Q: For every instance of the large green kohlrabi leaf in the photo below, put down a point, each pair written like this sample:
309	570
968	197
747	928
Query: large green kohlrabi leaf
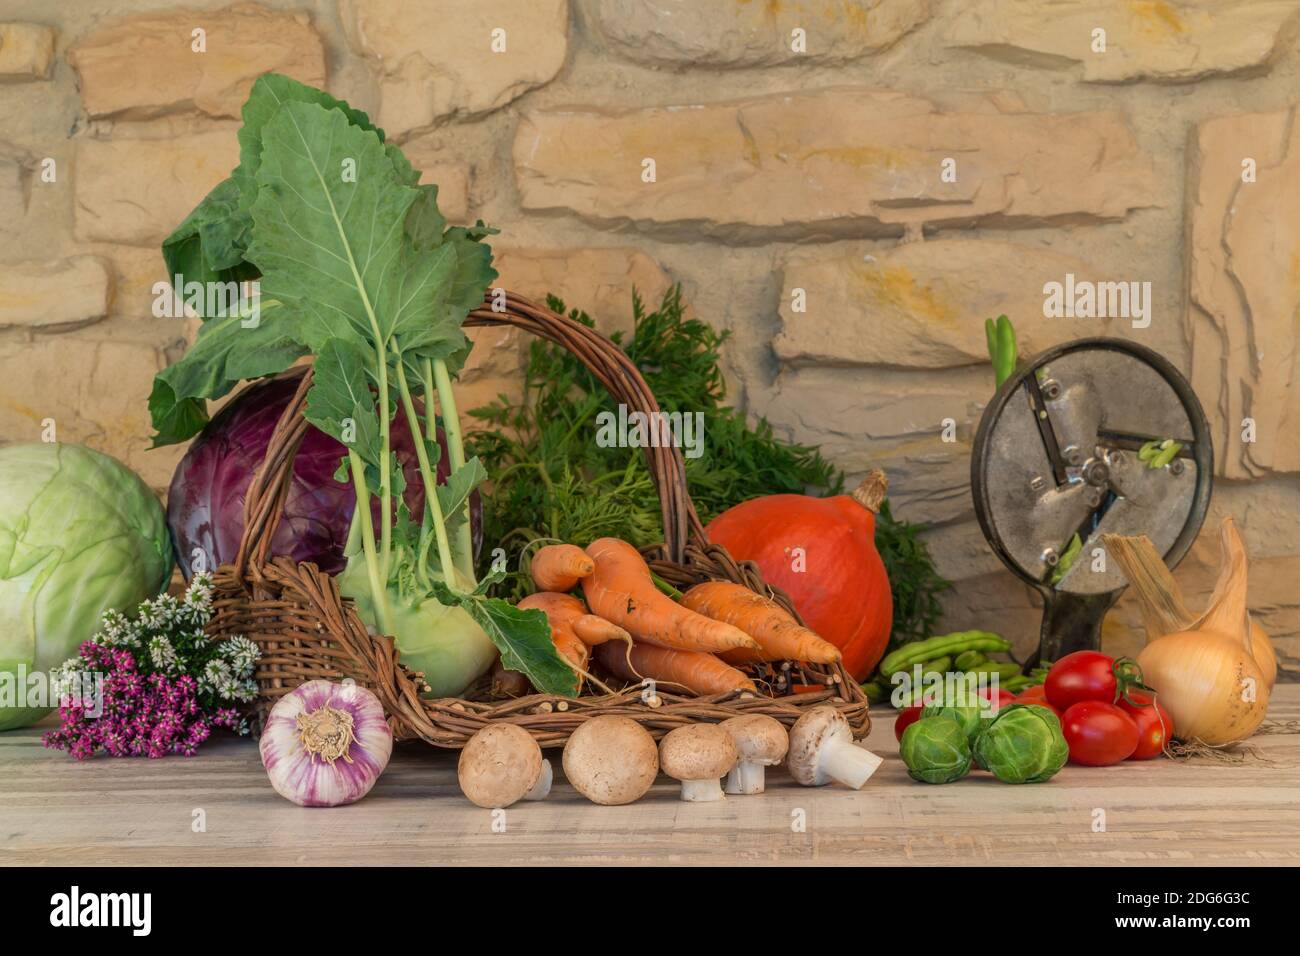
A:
208	245
226	352
211	244
269	93
328	233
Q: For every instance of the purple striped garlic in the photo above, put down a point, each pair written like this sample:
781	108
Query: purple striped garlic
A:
325	744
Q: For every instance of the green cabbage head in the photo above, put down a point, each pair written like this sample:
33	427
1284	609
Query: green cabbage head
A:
79	534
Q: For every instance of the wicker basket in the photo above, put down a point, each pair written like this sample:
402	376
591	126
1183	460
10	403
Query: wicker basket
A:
306	630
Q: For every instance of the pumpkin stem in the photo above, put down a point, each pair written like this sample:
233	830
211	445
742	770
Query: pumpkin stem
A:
871	491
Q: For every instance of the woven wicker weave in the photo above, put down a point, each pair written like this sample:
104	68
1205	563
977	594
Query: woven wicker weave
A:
306	630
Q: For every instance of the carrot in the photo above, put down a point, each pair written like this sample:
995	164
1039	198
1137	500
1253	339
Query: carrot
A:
559	610
558	567
699	673
593	630
780	637
621	590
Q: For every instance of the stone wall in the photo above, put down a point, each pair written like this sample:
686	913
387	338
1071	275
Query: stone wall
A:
797	145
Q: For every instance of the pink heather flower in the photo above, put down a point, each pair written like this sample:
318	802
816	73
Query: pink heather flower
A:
143	716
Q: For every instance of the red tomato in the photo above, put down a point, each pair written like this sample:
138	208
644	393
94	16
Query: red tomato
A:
906	718
1083	675
1155	726
1037	692
1099	734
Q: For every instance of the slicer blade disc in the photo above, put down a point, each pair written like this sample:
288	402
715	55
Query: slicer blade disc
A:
1056	456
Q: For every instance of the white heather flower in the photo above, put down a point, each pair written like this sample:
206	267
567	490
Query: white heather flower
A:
216	675
161	653
241	653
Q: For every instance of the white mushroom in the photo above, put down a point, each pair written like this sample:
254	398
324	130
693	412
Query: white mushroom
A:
502	764
611	760
822	750
698	755
760	742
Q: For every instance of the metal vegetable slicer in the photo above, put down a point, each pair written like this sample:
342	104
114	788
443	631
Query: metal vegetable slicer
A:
1056	464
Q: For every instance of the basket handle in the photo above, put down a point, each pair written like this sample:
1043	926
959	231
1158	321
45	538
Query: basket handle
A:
269	489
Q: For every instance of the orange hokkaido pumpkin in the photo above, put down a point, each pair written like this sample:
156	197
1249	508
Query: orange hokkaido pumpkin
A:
822	552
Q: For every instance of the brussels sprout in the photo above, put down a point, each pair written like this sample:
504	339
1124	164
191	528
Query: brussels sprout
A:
1023	744
967	717
79	534
935	750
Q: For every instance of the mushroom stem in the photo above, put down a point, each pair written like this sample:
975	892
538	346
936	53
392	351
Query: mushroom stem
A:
746	777
701	791
848	763
543	785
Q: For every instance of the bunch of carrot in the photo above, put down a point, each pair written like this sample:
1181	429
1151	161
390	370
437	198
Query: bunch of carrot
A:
636	631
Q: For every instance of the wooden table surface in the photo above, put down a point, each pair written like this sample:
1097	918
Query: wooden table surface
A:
54	810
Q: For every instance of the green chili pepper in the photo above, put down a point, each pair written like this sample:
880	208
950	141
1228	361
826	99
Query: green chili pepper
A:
942	645
1169	451
968	659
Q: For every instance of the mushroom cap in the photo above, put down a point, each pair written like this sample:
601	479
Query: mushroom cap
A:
499	764
697	752
758	738
807	737
611	760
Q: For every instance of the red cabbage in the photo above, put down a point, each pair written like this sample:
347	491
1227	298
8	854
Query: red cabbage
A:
205	504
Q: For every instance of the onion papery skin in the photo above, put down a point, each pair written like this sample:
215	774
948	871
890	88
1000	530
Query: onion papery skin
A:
309	780
1198	677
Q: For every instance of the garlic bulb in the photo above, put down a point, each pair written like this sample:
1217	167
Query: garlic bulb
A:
1206	675
326	744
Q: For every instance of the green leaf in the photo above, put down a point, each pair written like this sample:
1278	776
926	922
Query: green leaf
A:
522	637
212	243
425	224
454	494
328	233
208	245
174	419
459	485
225	353
269	93
340	394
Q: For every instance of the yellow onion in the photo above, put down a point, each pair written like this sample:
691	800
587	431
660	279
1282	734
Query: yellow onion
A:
1161	599
1206	675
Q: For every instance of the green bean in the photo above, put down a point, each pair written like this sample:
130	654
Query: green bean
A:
941	645
940	665
874	692
1149	450
1016	684
968	659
